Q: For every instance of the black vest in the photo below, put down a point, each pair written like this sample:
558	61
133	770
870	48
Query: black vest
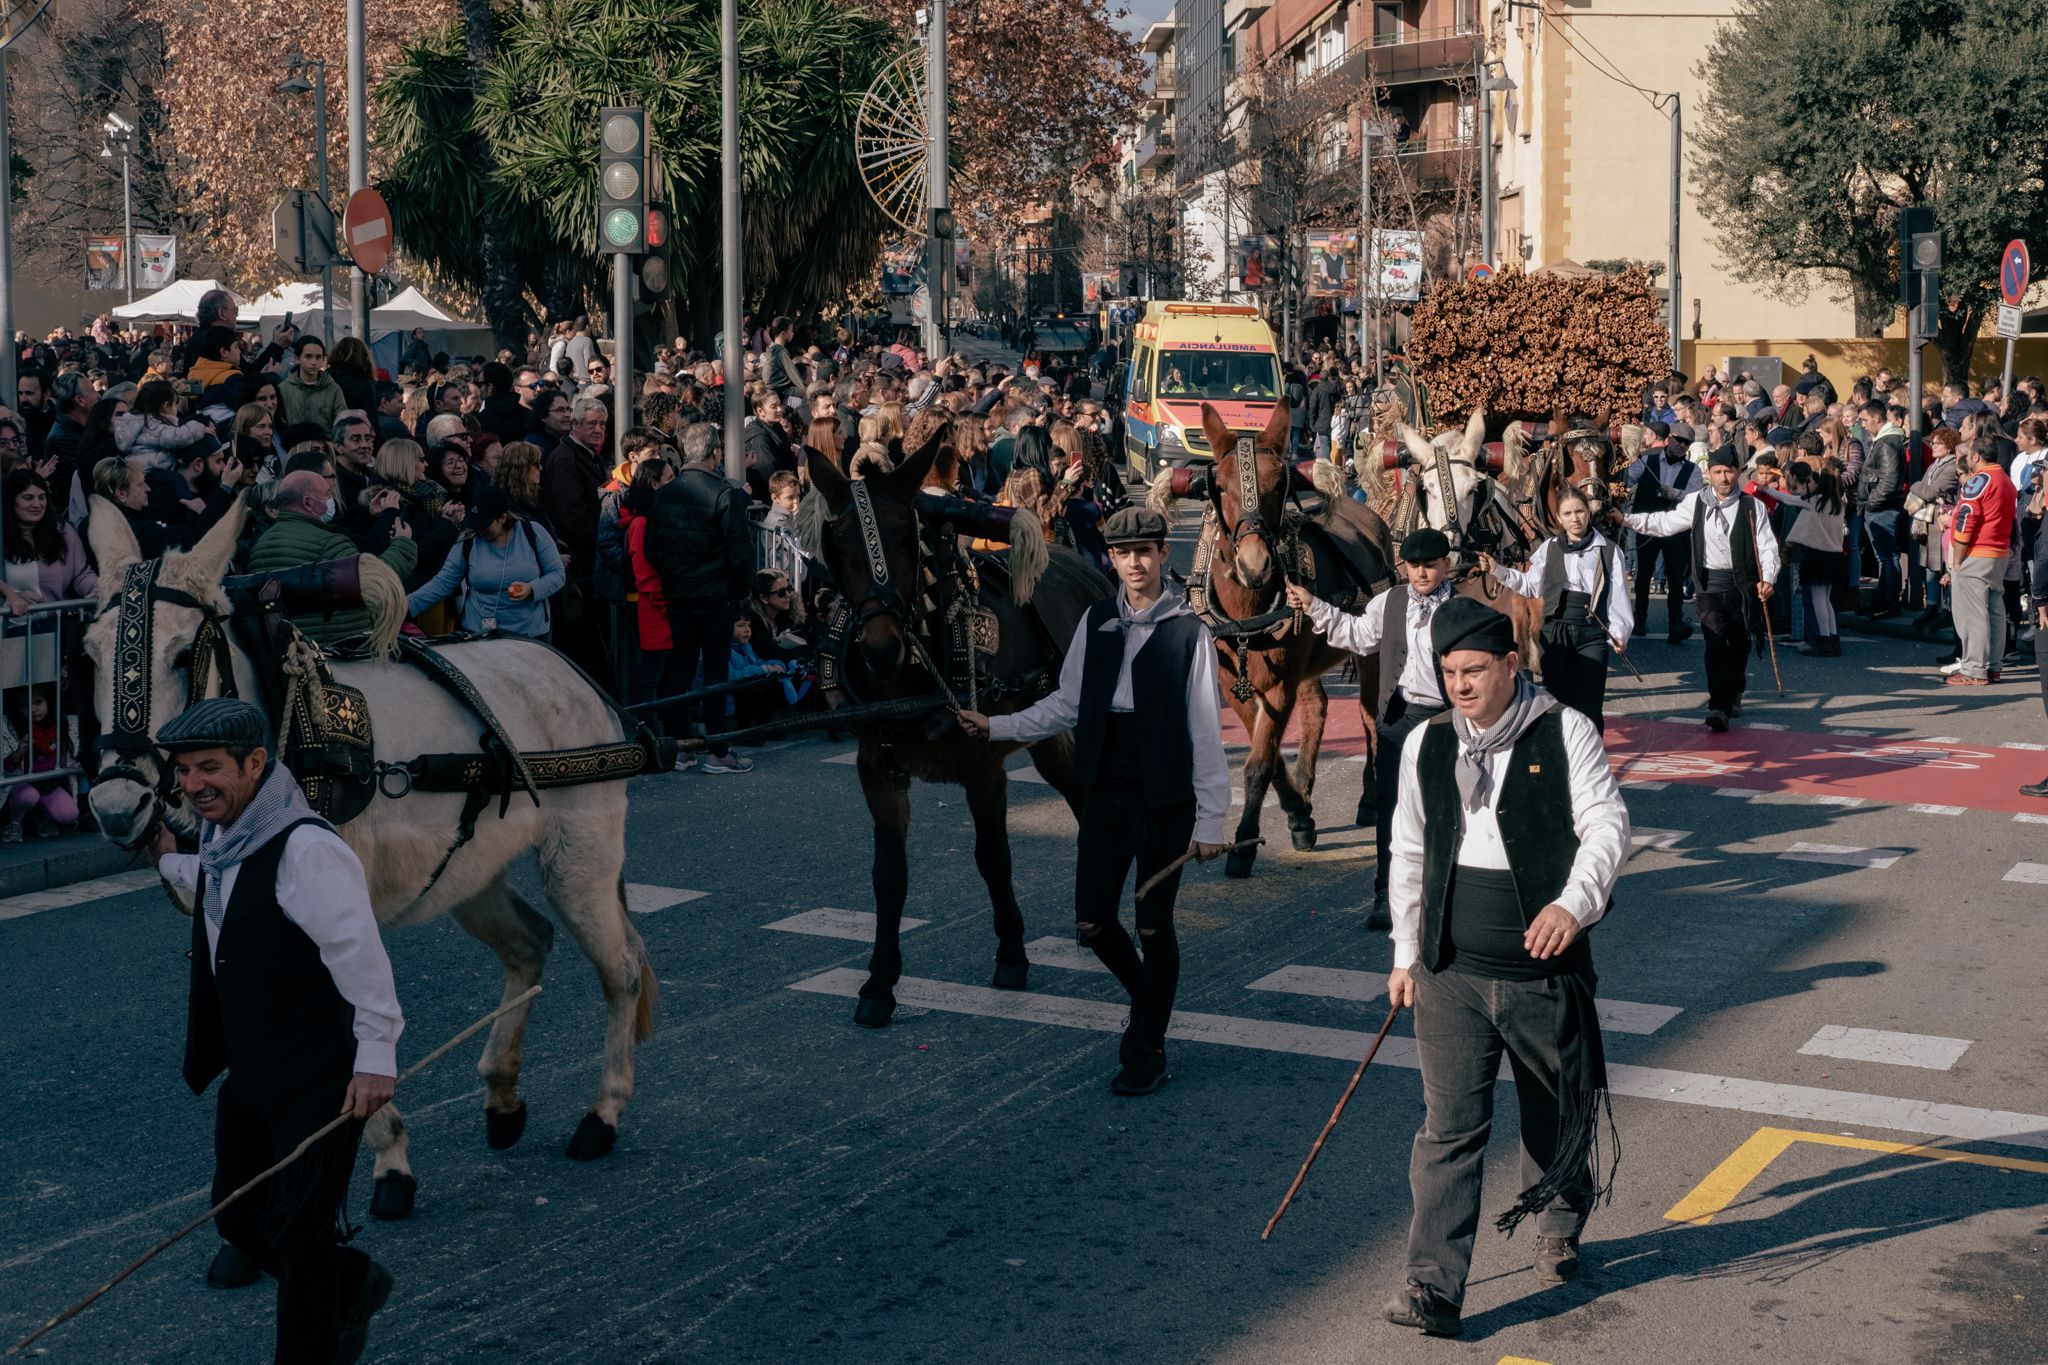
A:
1159	705
1555	584
1533	808
1741	543
1394	644
266	1010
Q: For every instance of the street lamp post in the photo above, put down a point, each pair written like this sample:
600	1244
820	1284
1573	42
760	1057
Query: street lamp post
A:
1368	274
295	83
120	142
1489	191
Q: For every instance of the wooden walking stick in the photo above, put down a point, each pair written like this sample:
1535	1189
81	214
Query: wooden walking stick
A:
337	1121
1770	639
1335	1114
1145	887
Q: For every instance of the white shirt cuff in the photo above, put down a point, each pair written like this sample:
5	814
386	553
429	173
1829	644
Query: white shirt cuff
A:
375	1058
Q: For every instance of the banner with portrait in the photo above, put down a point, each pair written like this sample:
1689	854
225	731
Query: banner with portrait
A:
156	261
1332	263
103	262
1257	261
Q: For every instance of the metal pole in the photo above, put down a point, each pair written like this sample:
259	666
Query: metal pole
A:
940	257
1914	342
1365	261
358	161
320	141
622	347
1671	278
127	228
7	352
729	244
1486	208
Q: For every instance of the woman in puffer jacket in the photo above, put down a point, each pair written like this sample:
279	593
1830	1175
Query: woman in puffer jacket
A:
152	430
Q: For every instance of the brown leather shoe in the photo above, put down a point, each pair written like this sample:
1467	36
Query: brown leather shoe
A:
1425	1310
1557	1259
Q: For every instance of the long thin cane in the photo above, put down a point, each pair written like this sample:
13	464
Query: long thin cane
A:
1145	887
336	1122
1335	1114
1770	639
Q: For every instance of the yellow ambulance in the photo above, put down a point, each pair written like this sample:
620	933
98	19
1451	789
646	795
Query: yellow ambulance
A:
1184	355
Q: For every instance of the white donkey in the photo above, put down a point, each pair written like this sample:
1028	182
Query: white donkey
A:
543	703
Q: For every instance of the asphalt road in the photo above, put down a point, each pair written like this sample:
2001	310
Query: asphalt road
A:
962	1186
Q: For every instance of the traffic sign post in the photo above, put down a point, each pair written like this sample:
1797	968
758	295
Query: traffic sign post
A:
2015	271
366	226
302	231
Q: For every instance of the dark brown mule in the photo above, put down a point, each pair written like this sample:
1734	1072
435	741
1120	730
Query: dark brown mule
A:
891	571
1270	660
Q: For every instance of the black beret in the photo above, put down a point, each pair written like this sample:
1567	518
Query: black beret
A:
1134	525
1724	454
217	723
1419	547
1462	623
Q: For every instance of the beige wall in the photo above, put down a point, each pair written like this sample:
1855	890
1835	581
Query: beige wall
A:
1586	160
1844	360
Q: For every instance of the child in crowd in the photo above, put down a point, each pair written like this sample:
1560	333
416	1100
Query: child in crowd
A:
38	749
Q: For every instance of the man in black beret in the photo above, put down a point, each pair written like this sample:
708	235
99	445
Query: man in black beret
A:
291	996
1138	689
1508	837
1396	624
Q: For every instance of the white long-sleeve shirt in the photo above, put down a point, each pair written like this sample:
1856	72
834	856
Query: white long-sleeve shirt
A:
1599	818
1678	521
321	888
1582	571
1062	709
1361	634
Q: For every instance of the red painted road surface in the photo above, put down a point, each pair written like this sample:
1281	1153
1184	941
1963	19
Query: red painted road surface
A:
1892	771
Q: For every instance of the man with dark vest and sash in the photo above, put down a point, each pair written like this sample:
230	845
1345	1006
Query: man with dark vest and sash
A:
1735	560
1410	693
291	996
1508	837
1138	689
1583	581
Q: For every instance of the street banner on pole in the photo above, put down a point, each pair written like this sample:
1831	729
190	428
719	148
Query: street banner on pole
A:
1331	258
1397	264
902	266
156	260
1253	257
103	264
962	259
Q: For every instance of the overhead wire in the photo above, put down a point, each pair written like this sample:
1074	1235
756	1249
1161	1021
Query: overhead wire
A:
1604	65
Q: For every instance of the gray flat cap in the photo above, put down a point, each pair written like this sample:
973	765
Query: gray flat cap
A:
217	723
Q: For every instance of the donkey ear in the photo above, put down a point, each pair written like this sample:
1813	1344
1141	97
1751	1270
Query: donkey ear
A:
909	476
1277	426
1217	430
112	540
1475	436
829	480
1418	444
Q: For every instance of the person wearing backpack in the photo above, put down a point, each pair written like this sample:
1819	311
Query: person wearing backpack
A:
505	569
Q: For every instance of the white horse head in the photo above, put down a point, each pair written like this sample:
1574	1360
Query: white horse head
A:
1450	477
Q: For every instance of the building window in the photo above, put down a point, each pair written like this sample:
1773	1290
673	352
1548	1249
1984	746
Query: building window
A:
1386	22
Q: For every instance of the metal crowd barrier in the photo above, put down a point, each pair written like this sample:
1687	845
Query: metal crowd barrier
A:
777	549
34	649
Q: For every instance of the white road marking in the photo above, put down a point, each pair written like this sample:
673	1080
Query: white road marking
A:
2032	874
849	758
1810	1103
2028	818
1027	773
1860	734
1645	837
1938	739
1882	1045
1763	725
1738	793
1925	809
642	899
78	893
1053	951
1812	800
1339	983
2030	748
1842	855
856	925
1644	784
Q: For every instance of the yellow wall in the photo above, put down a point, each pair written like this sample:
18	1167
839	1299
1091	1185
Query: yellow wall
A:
1845	360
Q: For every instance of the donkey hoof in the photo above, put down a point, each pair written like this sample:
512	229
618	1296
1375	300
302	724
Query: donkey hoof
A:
392	1199
1303	838
874	1011
503	1131
594	1138
233	1268
1012	976
1238	864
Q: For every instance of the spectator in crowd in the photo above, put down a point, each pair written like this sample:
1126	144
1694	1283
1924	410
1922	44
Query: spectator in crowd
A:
123	485
422	505
46	560
390	404
503	569
416	357
309	394
1981	537
550	410
302	532
653	677
770	447
37	412
1815	542
152	432
355	457
613	573
1928	502
502	411
572	476
99	442
519	475
700	545
751	707
356	373
40	747
1881	488
74	397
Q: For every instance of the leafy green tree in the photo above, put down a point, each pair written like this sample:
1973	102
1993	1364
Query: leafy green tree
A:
1824	118
490	127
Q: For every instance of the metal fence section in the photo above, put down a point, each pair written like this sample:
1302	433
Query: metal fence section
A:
776	548
35	650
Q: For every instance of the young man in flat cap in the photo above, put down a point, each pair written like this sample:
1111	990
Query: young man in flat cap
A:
291	996
1396	623
1138	689
1735	556
1508	837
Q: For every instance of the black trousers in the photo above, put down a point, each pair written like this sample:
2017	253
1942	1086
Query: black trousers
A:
1676	552
1726	627
291	1224
1119	830
703	638
1575	653
1401	718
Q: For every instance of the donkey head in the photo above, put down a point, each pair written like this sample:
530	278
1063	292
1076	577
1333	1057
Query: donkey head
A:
1451	490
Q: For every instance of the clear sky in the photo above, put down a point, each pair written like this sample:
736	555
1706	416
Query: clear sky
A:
1145	13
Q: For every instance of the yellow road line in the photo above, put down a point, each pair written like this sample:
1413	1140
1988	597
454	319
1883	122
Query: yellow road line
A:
1728	1180
1519	1360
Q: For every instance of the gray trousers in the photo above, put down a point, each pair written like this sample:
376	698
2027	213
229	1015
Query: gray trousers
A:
1462	1026
1977	588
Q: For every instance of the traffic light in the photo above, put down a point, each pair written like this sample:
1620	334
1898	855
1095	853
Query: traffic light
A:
1927	266
622	181
654	272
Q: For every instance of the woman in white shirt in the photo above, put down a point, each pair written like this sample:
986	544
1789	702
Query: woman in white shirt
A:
1583	581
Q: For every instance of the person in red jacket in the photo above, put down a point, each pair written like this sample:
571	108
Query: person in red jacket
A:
652	676
1981	535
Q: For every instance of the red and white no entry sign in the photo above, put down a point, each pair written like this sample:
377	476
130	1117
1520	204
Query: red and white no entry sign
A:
366	224
2014	270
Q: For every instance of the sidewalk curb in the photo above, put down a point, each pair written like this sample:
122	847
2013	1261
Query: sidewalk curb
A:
68	861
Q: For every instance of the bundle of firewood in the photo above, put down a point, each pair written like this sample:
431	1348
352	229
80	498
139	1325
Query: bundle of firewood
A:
1529	346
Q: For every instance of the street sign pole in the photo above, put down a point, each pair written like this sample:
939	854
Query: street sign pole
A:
1914	341
2015	270
358	163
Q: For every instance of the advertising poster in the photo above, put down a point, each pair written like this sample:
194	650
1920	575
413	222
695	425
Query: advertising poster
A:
156	261
103	262
902	267
1255	261
1397	260
1332	257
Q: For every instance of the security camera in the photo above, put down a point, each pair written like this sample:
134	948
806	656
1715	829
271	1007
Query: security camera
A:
116	126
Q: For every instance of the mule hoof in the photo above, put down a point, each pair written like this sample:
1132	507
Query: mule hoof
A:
1303	839
594	1138
233	1268
872	1011
392	1199
503	1131
1012	976
1238	864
